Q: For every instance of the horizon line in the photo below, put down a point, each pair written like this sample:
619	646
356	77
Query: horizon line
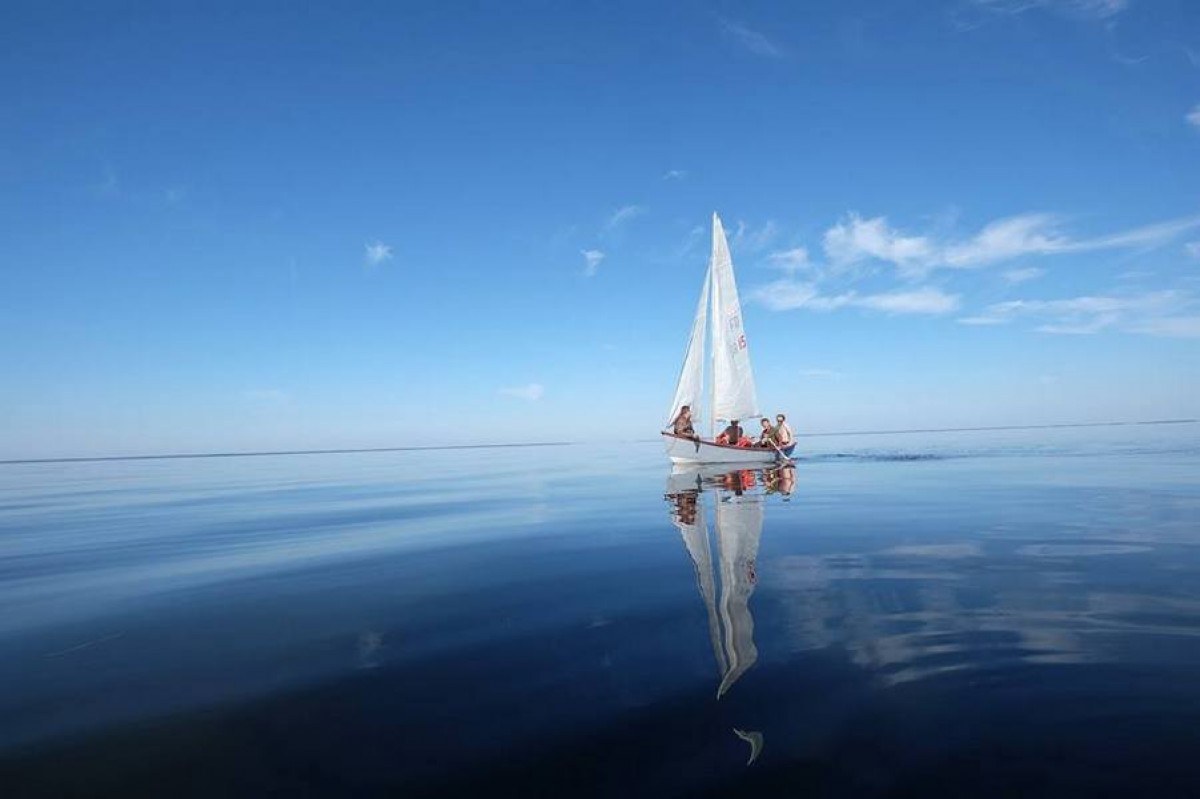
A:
262	453
351	450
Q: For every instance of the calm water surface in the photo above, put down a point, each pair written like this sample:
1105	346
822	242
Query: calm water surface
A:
1004	613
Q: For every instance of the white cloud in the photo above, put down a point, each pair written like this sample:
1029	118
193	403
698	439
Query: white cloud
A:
855	240
1081	9
748	239
1015	276
751	40
792	260
108	186
1193	117
1160	313
688	246
1172	326
531	392
1192	248
787	294
622	215
1145	236
377	253
920	301
823	373
591	261
981	320
675	174
1004	239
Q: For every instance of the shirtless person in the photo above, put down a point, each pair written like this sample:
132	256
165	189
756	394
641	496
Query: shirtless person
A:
732	434
785	439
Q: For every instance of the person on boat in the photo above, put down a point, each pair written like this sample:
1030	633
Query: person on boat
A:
682	426
732	434
766	439
785	439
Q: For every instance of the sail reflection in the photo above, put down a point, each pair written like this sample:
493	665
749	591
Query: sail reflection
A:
729	555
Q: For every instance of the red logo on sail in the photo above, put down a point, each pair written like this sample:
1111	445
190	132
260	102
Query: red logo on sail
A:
736	336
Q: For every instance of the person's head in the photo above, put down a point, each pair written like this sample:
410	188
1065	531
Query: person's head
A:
779	417
686	409
766	423
734	422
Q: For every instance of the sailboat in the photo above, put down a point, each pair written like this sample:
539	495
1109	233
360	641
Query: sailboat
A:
731	380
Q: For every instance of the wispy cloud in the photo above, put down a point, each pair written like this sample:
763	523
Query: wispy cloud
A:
855	240
675	174
1170	326
1193	117
751	40
532	392
1192	248
108	186
591	261
1015	276
974	13
787	294
622	215
751	239
1159	313
689	245
820	373
918	301
793	260
377	253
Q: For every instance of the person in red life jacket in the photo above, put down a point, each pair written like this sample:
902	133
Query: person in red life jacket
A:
732	434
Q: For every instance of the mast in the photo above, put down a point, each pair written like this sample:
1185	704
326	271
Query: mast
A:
712	350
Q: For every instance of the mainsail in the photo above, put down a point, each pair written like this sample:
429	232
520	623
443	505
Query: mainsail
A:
733	391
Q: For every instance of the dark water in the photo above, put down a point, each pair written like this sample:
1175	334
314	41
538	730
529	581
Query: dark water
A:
999	614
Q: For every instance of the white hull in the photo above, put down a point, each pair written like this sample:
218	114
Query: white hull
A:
686	450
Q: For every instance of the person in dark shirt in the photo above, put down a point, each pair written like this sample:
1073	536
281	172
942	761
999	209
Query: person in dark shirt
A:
766	438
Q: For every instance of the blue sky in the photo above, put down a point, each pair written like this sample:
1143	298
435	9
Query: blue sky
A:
248	226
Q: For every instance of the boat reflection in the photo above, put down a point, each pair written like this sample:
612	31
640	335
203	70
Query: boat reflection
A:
737	523
730	555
